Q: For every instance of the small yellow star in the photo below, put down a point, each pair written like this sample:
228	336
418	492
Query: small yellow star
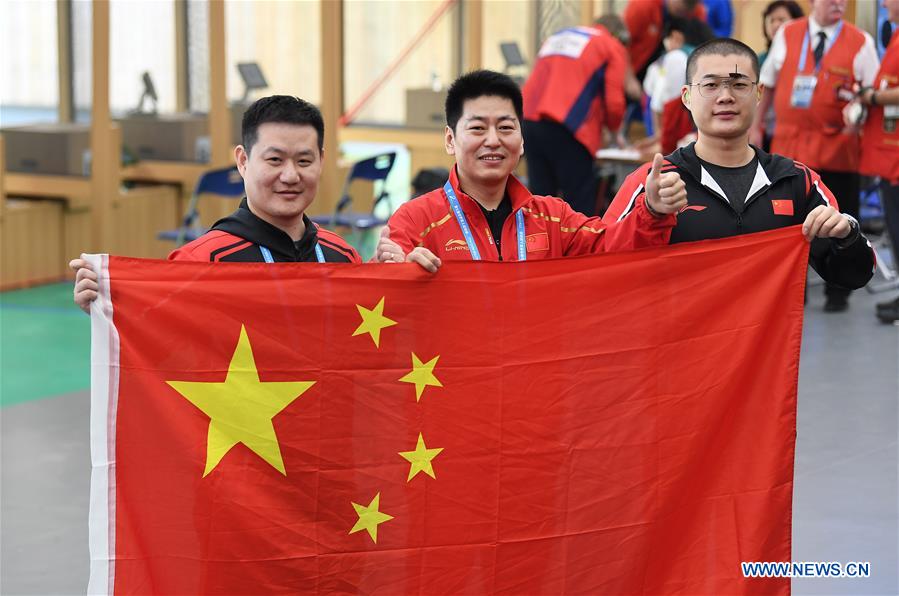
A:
420	459
370	518
241	408
373	320
422	375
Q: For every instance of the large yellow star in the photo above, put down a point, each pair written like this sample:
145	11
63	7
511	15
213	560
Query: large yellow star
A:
370	518
241	408
373	320
421	459
422	375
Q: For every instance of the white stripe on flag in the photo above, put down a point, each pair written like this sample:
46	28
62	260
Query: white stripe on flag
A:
104	402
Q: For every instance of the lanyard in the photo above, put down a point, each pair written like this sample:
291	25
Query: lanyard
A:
805	44
466	229
267	254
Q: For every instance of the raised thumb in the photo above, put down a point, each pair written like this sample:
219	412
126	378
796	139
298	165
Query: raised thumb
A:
656	165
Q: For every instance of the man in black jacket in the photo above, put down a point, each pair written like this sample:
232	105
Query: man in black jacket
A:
280	161
735	188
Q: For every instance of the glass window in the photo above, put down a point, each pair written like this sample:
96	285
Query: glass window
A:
82	67
509	21
142	39
283	38
28	62
375	35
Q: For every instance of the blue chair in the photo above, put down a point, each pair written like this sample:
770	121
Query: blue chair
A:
376	169
226	183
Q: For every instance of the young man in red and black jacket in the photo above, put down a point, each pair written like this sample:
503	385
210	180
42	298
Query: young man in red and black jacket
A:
484	213
280	161
735	188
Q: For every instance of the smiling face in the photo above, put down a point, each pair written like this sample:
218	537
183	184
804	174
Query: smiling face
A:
774	20
487	142
281	172
727	115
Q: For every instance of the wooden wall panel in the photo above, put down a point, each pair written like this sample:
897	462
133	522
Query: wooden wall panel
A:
76	234
31	243
138	216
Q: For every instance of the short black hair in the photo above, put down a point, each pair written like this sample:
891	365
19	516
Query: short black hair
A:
282	109
480	83
721	46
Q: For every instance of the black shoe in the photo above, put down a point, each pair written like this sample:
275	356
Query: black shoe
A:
890	314
888	306
836	303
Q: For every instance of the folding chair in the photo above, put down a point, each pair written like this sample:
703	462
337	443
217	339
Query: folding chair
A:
226	183
362	223
376	169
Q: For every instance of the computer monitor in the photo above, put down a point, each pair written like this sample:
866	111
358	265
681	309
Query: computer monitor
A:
511	54
252	78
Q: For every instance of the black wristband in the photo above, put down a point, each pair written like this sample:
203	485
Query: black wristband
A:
649	208
873	98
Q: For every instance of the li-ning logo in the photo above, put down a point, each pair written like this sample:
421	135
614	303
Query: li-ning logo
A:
454	244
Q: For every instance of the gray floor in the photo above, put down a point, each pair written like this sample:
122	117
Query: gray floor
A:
847	468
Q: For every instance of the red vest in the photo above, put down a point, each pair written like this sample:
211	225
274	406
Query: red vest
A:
815	135
880	149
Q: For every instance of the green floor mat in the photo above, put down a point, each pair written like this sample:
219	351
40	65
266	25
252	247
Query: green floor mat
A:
44	344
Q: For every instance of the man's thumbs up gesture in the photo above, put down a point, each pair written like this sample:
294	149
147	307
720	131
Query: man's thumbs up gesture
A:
665	193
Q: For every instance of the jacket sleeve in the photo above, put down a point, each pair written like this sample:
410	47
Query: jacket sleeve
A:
636	229
850	266
616	69
403	230
625	199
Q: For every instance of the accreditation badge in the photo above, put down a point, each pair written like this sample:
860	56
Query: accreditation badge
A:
803	89
890	118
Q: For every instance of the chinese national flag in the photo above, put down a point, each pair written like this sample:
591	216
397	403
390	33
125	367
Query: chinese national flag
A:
615	424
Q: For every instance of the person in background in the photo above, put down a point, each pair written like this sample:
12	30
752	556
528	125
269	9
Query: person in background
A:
880	143
671	120
645	20
810	74
776	14
576	88
720	17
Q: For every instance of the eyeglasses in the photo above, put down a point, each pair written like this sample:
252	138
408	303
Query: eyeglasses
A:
738	87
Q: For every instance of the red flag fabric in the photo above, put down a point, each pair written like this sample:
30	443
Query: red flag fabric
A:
622	423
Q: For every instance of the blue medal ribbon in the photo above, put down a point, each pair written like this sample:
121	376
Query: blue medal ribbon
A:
466	229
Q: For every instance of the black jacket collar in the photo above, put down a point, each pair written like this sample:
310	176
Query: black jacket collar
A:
775	166
245	224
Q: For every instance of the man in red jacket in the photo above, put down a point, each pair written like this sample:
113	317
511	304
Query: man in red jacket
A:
645	20
484	213
575	89
280	161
